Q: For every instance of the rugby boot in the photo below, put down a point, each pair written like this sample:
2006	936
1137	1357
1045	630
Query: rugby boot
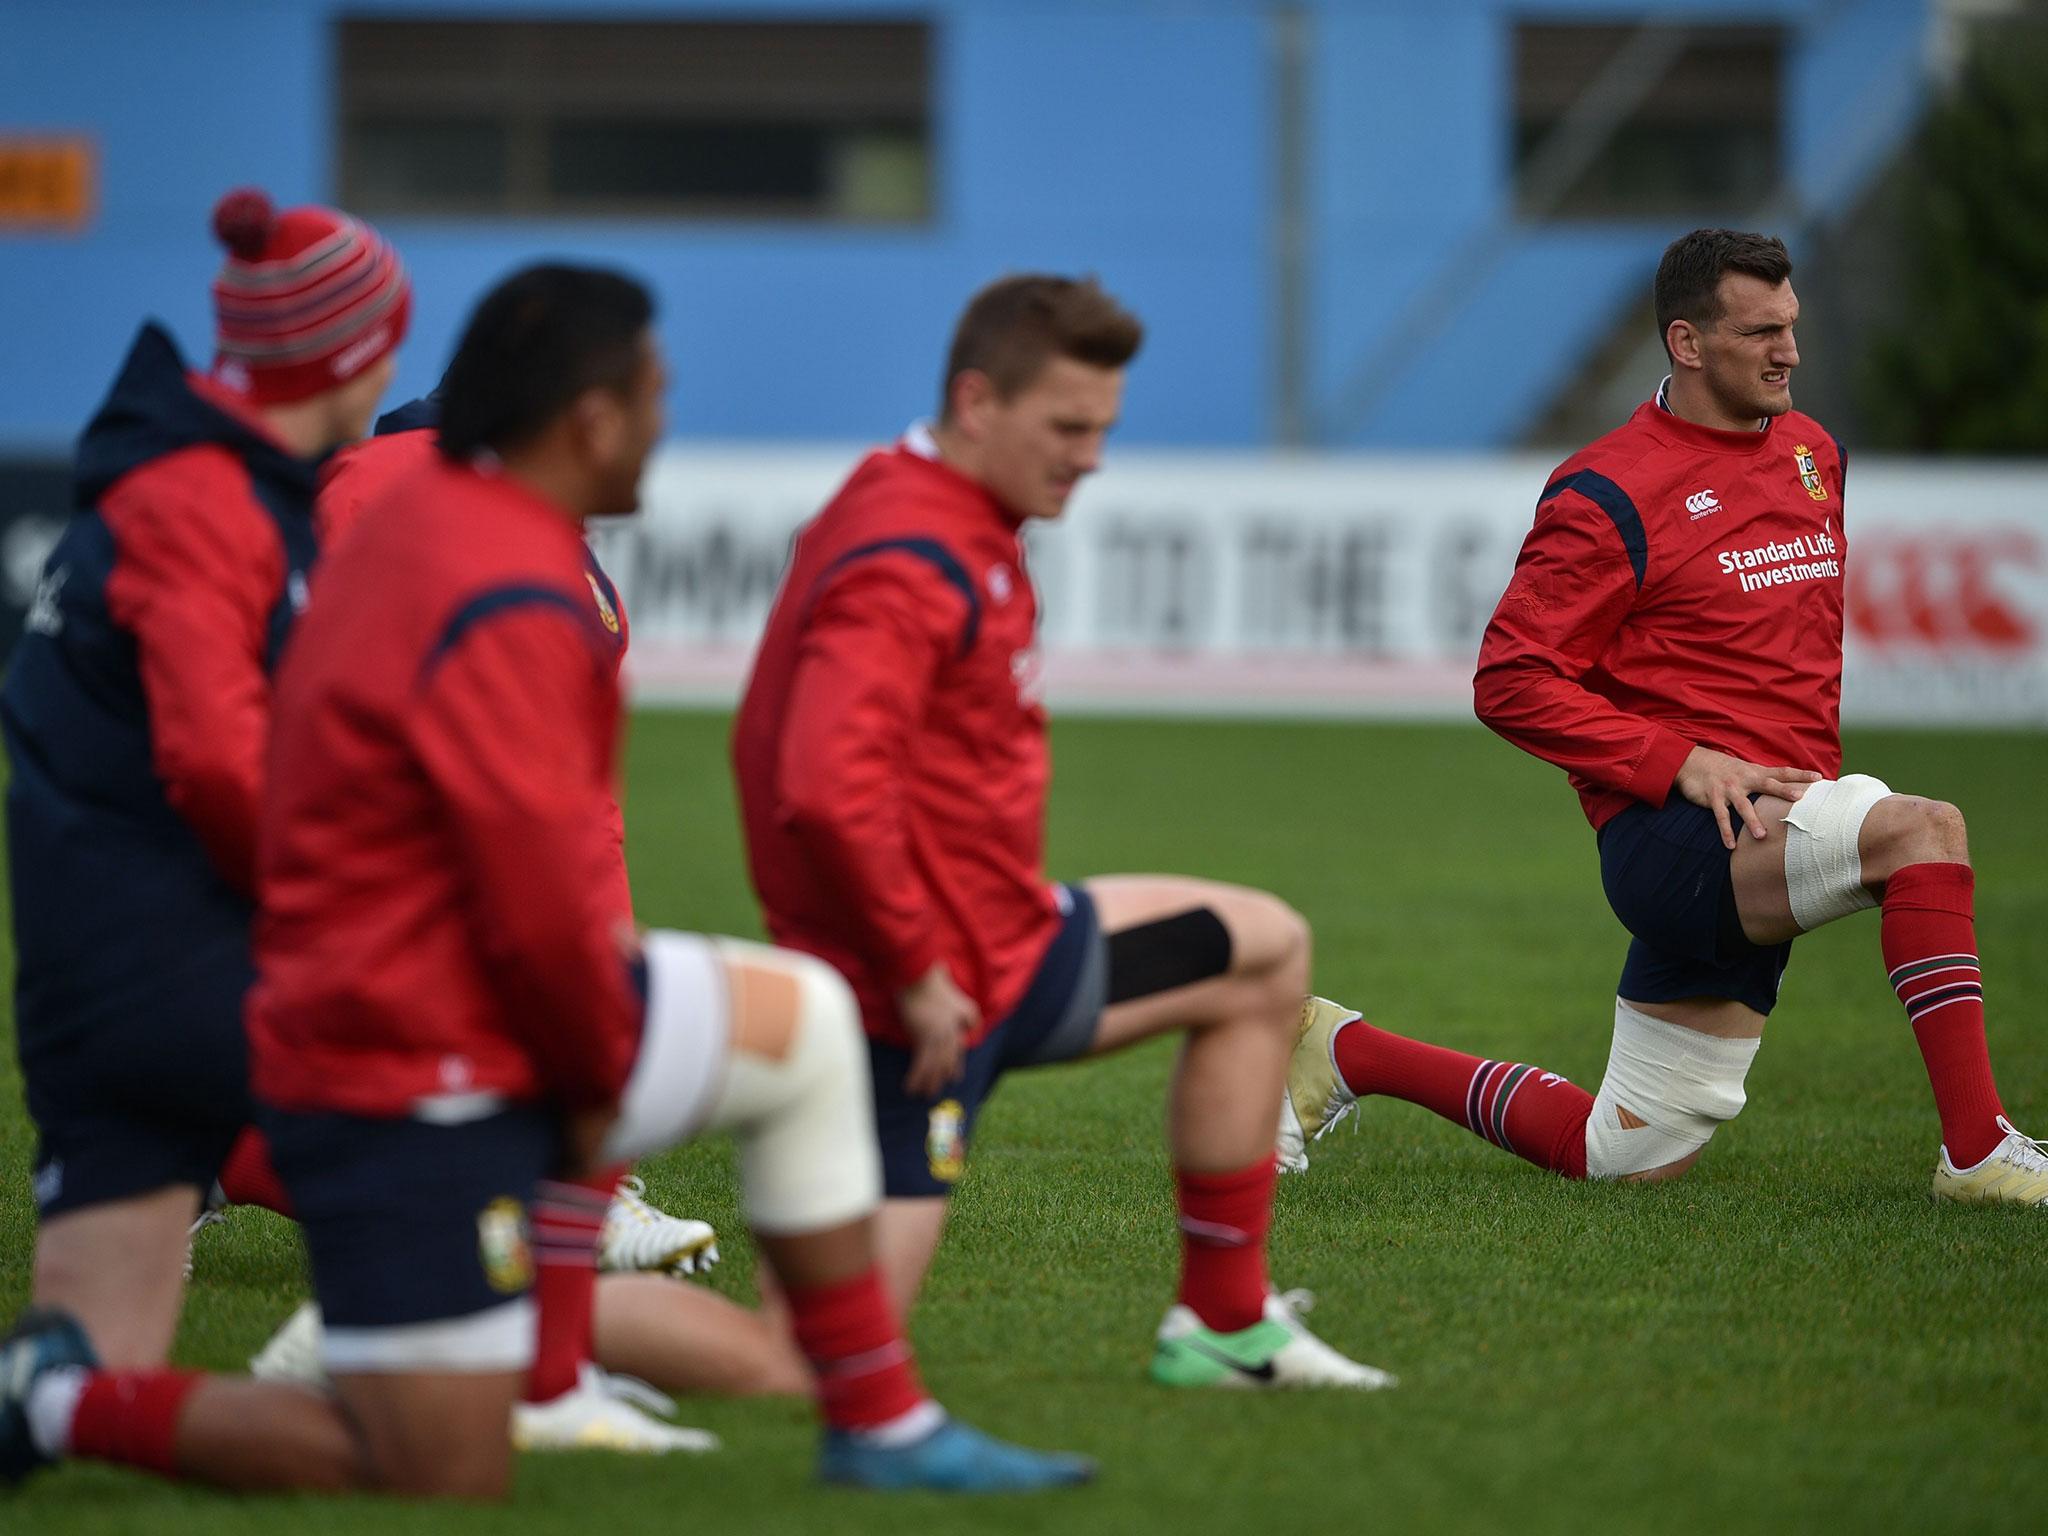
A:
293	1352
953	1458
2016	1173
1316	1096
43	1339
1275	1353
605	1413
637	1236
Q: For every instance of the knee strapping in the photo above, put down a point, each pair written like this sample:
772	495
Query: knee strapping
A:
1823	866
1666	1090
804	1117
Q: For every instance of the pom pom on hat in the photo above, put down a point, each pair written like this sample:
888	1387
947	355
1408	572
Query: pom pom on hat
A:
243	221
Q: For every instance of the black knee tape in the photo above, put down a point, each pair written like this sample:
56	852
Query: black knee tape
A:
1169	952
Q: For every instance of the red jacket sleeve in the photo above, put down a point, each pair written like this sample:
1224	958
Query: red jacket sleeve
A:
1572	588
875	640
198	566
510	723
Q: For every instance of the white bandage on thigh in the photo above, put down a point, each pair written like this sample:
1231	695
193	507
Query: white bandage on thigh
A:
1667	1088
684	1039
801	1106
1823	869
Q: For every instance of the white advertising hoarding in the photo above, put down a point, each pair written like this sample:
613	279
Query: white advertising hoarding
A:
1338	584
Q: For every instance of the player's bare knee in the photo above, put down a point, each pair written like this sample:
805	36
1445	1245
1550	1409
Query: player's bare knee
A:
1911	829
1949	836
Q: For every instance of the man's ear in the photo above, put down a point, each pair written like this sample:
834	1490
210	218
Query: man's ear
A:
971	395
1682	341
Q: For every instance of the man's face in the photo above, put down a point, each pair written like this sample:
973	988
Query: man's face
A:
1035	447
1747	356
624	431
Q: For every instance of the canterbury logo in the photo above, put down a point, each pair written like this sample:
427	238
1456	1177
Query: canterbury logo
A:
1700	503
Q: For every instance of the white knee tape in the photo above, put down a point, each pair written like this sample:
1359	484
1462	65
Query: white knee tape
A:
1667	1088
681	1059
804	1118
1823	870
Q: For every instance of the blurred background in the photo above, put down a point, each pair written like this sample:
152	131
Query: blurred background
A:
1394	257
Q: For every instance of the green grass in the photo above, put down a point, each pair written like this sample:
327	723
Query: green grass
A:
1790	1338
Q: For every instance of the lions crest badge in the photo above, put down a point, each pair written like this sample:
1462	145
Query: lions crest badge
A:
945	1141
605	611
1809	472
502	1245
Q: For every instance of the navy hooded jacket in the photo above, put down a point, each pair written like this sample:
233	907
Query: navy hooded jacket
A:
137	706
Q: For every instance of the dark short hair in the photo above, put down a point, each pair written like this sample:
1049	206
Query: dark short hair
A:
1689	276
533	345
1016	325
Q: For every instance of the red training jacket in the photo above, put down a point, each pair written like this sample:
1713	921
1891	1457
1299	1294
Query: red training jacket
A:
1681	587
891	749
436	916
362	472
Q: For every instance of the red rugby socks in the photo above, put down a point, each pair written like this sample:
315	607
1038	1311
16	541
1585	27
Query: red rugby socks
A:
1536	1115
1223	1222
867	1379
1929	934
130	1417
568	1216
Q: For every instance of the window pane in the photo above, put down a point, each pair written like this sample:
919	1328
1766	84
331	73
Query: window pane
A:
1706	139
823	119
613	162
423	162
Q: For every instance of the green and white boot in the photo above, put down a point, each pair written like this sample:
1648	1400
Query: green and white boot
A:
1276	1352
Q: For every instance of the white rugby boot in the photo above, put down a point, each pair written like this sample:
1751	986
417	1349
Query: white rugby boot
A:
293	1352
2015	1173
637	1237
1275	1353
605	1413
1316	1095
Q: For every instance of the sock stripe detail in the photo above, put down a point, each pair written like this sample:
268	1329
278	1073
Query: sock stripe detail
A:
1502	1099
1473	1094
1927	963
1941	997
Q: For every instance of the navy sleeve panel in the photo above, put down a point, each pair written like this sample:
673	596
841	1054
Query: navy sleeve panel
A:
1841	464
934	554
494	601
1614	501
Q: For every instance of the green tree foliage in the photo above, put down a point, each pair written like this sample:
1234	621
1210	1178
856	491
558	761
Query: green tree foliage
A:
1965	367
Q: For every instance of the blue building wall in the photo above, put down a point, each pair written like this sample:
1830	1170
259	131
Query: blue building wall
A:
1133	138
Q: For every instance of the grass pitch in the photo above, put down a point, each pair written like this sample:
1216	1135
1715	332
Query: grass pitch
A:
1791	1338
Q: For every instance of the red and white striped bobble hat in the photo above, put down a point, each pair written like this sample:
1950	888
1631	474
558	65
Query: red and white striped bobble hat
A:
307	299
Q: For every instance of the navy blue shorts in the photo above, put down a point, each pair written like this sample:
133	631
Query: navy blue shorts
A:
1669	879
924	1140
408	1222
150	1097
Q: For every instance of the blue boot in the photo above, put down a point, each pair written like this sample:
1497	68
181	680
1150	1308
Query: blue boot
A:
43	1339
953	1458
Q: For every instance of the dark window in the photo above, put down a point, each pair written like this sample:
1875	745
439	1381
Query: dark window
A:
1672	119
825	120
